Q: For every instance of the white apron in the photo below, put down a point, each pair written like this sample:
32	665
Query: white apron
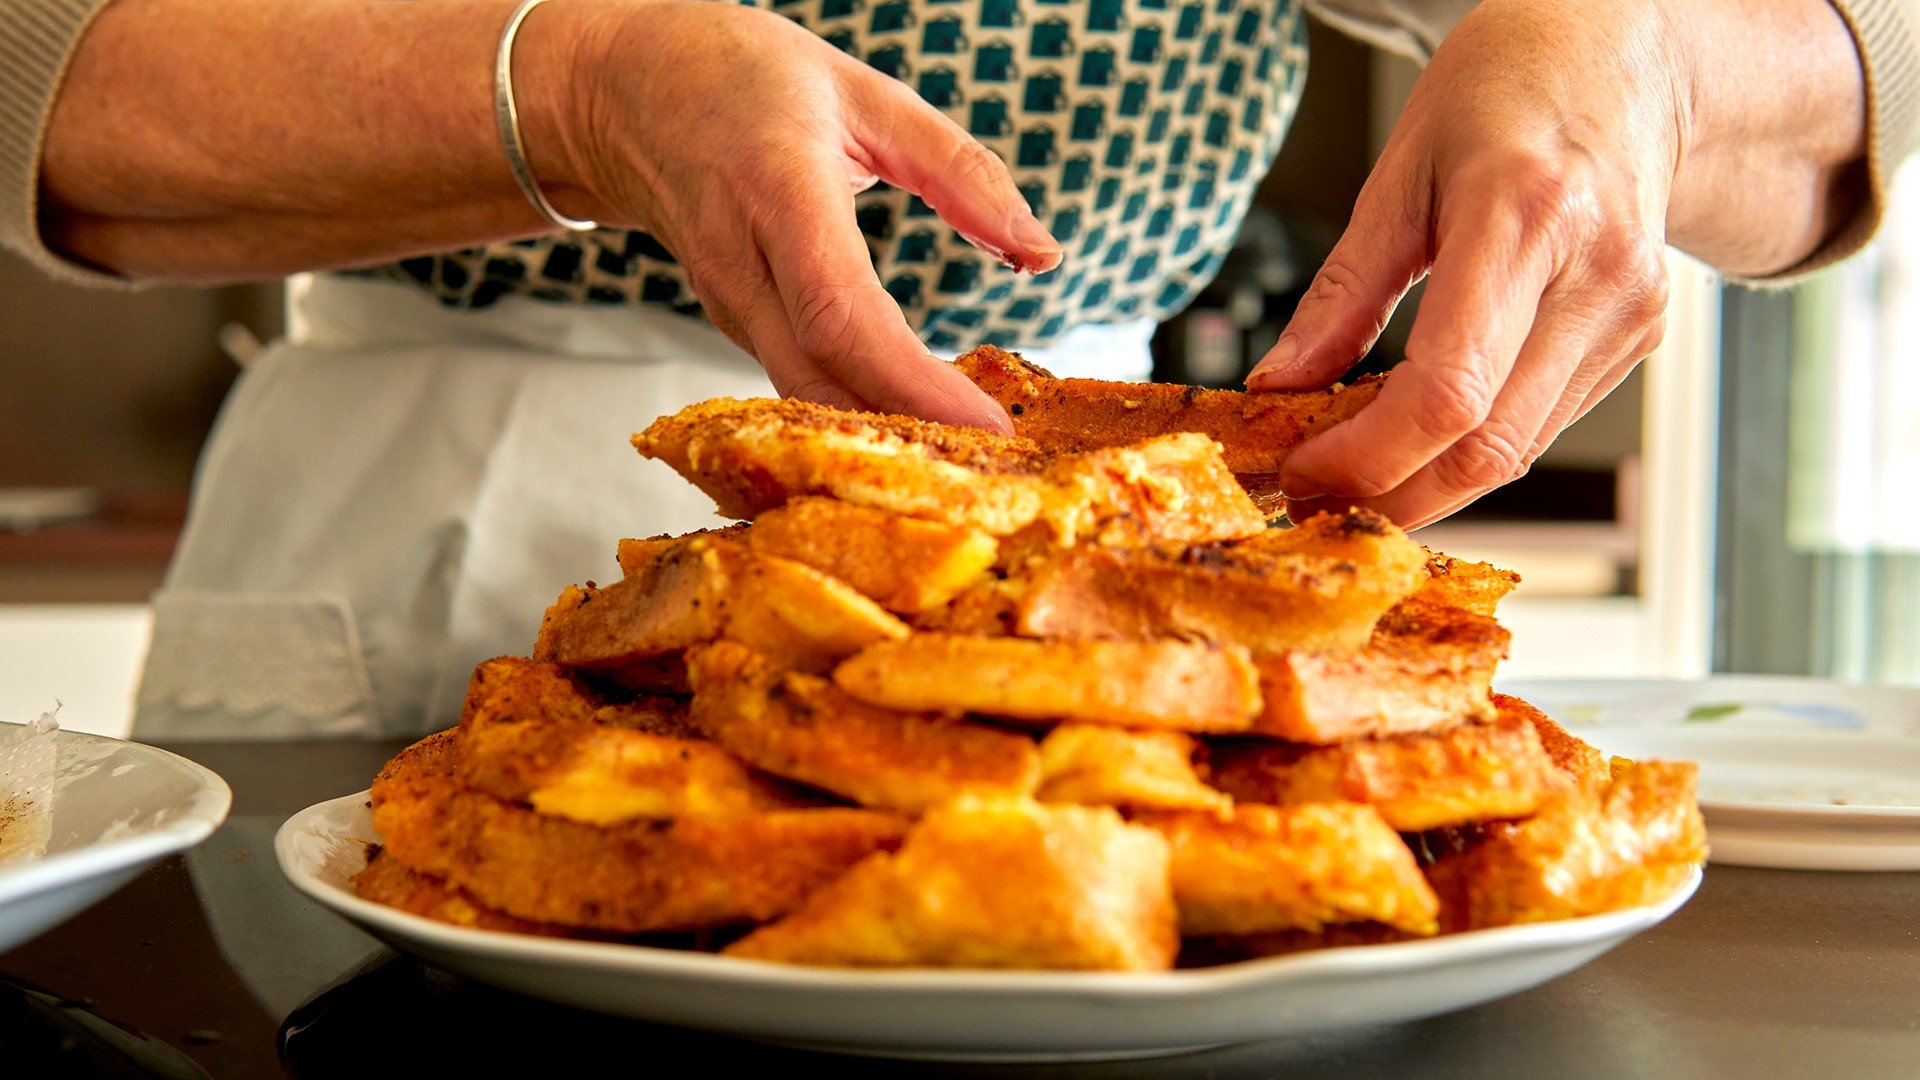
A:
397	490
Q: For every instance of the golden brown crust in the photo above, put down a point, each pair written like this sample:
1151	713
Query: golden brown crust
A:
1470	772
681	875
387	880
1184	686
753	455
804	728
532	733
1294	867
1474	586
1109	766
1003	883
905	564
1320	585
1175	488
1576	758
706	588
1626	843
1424	668
1072	415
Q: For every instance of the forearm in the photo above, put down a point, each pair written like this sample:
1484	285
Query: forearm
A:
209	140
1774	130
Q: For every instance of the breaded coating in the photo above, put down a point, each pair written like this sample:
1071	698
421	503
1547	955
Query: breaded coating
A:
532	733
804	728
386	880
1292	867
1110	766
992	883
1181	685
1320	585
1475	586
1575	757
753	455
904	564
636	555
707	588
687	874
1469	772
1425	668
1175	488
1257	430
1625	843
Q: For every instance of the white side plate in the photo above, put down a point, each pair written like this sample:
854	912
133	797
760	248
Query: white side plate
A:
1799	774
979	1015
117	808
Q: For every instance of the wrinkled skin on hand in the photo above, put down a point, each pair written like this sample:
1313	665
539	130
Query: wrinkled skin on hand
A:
739	140
1547	155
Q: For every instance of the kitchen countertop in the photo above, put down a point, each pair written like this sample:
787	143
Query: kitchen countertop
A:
211	965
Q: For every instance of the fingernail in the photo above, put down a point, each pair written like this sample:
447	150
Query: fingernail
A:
1272	366
1042	251
1300	489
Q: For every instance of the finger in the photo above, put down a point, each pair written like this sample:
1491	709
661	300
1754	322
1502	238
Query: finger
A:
1479	307
912	145
1378	258
748	310
1644	347
844	324
1566	339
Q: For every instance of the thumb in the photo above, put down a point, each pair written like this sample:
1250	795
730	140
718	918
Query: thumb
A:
1382	253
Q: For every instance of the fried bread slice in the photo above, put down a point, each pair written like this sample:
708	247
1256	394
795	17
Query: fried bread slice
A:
705	588
907	565
387	880
532	733
1425	667
1109	766
686	874
1257	430
638	554
1474	586
1181	685
753	455
1320	585
1003	883
804	728
1291	867
1575	757
1624	843
1174	488
1466	773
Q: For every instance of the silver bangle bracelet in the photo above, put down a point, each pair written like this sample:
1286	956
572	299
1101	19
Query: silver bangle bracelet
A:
506	116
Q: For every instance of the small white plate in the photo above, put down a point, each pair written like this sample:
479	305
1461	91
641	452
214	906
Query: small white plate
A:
974	1015
117	808
1800	774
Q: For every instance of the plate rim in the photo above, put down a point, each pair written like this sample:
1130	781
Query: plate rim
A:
204	812
627	958
1812	814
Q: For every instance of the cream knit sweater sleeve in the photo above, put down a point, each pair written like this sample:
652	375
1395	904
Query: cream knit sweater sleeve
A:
38	37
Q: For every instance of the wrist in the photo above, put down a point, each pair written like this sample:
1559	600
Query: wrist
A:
553	73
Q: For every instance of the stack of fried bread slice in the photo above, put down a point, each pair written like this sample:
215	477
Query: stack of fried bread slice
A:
1059	700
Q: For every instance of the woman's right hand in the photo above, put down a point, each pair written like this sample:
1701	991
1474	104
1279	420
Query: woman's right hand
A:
739	139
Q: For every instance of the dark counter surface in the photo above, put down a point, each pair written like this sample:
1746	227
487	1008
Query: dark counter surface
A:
212	965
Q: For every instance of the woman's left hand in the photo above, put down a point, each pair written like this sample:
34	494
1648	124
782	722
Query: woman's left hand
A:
1532	179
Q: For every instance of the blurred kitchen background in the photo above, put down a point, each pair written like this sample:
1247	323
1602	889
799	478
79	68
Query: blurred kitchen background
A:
1744	503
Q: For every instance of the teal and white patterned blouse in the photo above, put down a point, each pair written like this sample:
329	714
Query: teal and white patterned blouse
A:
1137	130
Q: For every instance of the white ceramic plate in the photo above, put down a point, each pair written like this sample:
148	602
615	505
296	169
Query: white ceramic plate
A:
966	1014
117	808
1795	773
